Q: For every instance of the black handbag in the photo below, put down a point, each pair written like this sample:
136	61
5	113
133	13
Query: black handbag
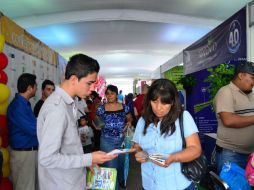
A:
196	169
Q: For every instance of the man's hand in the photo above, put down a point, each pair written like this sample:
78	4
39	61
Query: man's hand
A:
93	168
100	157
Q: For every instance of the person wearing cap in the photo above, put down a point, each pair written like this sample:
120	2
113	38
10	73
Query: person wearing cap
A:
234	106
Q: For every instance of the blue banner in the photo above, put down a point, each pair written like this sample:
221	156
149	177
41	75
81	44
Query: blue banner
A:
226	42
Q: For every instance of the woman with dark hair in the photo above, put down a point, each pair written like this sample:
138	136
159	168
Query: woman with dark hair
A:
158	131
117	118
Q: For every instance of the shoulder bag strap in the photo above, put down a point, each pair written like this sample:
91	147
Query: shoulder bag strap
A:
81	112
182	130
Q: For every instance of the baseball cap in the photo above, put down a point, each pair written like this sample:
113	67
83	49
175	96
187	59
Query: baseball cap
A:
245	67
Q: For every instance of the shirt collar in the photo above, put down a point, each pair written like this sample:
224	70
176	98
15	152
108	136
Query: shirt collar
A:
22	99
234	87
66	97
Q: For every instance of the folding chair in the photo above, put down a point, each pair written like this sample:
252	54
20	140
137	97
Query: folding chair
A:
218	183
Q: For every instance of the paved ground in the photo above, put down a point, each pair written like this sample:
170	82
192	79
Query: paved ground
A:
134	178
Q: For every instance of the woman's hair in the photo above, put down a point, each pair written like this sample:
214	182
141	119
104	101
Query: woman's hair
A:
112	88
168	94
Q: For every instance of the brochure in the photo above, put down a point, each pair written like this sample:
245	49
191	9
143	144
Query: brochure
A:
103	179
121	151
159	158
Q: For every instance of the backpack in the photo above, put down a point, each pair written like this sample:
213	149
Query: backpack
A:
249	171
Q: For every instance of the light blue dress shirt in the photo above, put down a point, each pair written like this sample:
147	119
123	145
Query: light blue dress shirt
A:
155	177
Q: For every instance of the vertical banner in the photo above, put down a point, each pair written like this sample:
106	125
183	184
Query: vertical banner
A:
224	44
174	74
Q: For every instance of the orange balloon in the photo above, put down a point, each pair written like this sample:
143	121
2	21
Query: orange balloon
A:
6	170
3	108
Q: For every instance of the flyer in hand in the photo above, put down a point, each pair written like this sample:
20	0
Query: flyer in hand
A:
118	151
121	151
159	158
102	179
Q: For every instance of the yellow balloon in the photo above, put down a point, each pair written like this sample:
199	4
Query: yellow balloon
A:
3	108
6	155
6	170
5	92
2	40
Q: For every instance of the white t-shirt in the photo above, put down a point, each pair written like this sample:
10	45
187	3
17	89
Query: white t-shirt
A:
85	133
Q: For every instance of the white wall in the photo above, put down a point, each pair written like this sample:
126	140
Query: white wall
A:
125	84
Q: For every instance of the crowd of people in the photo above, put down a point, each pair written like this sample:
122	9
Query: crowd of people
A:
72	128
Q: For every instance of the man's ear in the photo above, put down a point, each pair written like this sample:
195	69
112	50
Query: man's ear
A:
29	88
241	75
73	79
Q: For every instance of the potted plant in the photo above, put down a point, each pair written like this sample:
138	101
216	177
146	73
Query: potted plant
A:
188	82
219	76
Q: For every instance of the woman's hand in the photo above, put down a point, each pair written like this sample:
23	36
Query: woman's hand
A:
192	151
170	160
128	124
141	156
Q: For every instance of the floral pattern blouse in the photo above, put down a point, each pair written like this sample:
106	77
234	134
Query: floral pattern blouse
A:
114	121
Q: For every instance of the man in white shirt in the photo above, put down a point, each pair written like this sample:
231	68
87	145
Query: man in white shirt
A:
61	159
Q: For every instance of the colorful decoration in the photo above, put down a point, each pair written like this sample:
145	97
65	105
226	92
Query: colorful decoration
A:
6	184
6	156
5	93
100	85
6	170
2	40
3	77
3	108
4	131
3	121
5	138
3	61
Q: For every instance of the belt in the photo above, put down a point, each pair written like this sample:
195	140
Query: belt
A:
26	149
220	149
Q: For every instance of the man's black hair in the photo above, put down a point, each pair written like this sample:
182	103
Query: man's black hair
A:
25	80
81	65
45	83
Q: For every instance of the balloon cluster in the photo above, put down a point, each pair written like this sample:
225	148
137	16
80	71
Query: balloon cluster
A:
5	183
